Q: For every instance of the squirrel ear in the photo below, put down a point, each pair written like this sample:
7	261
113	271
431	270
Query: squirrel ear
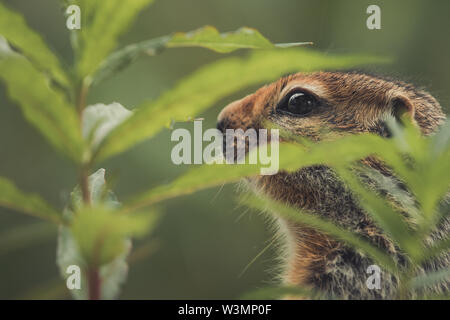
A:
402	108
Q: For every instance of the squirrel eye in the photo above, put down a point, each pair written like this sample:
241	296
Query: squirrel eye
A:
300	104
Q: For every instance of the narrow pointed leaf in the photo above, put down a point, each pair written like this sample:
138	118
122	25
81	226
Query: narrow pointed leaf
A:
209	37
211	83
350	238
41	105
292	157
99	37
32	204
205	37
431	279
389	220
15	29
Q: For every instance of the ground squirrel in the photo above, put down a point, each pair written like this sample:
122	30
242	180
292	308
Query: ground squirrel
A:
352	102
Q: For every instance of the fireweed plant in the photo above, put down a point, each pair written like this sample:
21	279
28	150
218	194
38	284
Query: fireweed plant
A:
95	229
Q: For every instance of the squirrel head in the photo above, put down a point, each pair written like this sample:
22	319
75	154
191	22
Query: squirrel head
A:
309	104
320	106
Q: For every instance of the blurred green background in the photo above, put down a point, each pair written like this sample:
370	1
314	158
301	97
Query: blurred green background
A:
204	241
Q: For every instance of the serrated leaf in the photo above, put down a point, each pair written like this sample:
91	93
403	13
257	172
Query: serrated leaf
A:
98	38
213	82
202	177
328	227
41	105
291	156
209	37
15	29
32	204
205	37
122	58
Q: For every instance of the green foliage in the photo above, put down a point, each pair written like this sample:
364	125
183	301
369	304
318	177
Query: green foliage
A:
325	226
98	237
431	278
32	204
14	28
210	38
206	37
218	80
42	105
99	37
408	233
94	233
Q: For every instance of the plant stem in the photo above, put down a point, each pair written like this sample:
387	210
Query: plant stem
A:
93	274
84	184
94	283
82	92
81	100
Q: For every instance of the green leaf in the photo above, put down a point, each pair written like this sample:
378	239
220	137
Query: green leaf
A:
42	106
209	37
98	237
389	220
202	177
26	236
112	275
211	83
32	204
431	279
438	248
122	58
100	232
291	156
15	29
206	37
350	238
100	119
428	172
109	20
441	140
206	176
